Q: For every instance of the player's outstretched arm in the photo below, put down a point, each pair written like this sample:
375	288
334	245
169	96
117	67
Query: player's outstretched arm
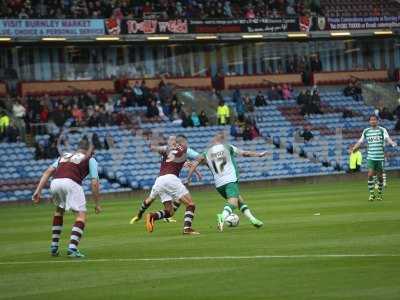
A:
96	195
391	142
193	167
188	164
42	183
253	153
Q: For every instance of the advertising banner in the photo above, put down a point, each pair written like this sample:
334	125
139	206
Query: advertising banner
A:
355	23
51	27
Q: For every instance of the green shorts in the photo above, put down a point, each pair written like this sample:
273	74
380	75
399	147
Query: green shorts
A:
229	190
375	165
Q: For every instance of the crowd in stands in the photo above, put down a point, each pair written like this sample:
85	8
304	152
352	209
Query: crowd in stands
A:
310	102
353	89
49	114
198	9
163	9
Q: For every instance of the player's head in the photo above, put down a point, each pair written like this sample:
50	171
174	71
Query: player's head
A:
182	140
373	120
219	138
84	145
171	141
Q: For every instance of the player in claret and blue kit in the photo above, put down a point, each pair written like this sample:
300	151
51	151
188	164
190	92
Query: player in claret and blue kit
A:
191	154
68	172
169	187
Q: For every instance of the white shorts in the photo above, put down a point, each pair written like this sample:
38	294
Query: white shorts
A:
67	194
168	187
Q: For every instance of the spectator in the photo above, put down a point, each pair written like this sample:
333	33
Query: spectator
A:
44	114
235	130
273	94
19	113
175	117
349	90
203	118
355	160
186	120
236	96
77	114
397	125
59	116
4	123
96	142
307	135
51	151
260	100
195	119
239	106
254	132
357	92
384	113
12	133
175	105
396	111
138	93
223	113
109	142
153	114
316	64
109	106
286	92
39	152
247	132
301	98
248	104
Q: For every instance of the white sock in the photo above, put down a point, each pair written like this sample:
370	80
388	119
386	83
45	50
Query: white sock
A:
226	212
246	211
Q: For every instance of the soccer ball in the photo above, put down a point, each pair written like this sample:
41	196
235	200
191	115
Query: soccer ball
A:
232	220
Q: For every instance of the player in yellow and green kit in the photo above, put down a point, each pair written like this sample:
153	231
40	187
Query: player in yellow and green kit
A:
220	158
375	136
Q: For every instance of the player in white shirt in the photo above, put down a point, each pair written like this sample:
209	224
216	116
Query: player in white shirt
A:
220	158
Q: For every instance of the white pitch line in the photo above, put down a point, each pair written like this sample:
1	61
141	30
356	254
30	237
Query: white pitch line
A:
266	257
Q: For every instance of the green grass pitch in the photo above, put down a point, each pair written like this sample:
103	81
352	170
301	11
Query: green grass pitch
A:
321	241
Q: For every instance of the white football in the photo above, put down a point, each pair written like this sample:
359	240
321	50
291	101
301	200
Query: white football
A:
232	220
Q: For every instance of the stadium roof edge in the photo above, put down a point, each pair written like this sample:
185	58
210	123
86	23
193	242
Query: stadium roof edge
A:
224	37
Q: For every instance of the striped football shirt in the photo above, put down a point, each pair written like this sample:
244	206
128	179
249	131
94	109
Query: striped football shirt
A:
375	138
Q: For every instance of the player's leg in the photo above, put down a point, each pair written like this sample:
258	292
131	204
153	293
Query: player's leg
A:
58	220
176	204
142	209
167	212
379	172
371	181
232	202
247	212
77	203
59	199
384	178
76	235
187	200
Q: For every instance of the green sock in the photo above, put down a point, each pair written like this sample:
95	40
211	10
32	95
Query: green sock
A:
371	184
380	185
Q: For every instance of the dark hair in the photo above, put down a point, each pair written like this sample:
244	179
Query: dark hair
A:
84	144
181	136
373	116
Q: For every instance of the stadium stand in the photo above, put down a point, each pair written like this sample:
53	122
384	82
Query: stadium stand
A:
210	9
